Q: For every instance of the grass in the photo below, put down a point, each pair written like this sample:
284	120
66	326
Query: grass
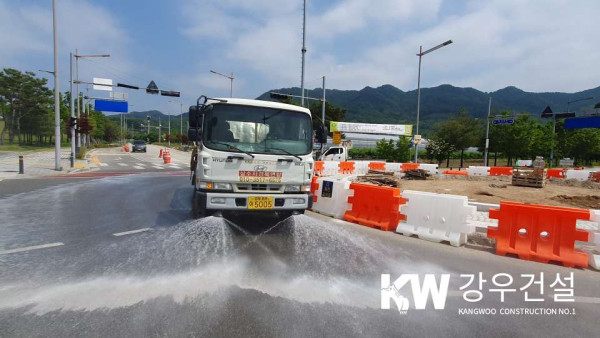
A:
21	148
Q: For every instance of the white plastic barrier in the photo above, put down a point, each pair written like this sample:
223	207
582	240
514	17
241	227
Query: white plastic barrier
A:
361	167
478	171
395	167
580	175
334	202
436	217
330	168
432	168
594	256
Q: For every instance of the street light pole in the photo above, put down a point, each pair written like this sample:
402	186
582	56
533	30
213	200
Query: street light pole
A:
420	55
231	78
487	134
303	53
72	104
56	93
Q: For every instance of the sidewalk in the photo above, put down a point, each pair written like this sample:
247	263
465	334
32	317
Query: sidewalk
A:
37	164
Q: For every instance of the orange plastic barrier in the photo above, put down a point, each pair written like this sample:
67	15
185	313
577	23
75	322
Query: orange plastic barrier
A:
539	232
160	154
409	166
455	172
346	167
501	171
556	173
595	177
376	207
377	166
167	157
314	186
319	167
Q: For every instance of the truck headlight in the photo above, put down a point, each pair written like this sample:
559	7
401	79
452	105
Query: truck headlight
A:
214	186
292	188
222	186
205	185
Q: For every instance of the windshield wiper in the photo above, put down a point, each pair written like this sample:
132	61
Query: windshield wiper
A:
287	152
234	148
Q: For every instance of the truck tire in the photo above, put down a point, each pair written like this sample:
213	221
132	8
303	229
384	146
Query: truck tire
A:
198	207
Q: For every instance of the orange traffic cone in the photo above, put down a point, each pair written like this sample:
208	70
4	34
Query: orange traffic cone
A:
167	157
160	155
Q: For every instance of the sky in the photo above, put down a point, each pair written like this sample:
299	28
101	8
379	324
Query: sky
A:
536	45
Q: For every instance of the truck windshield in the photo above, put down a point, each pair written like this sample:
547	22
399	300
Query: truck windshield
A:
257	130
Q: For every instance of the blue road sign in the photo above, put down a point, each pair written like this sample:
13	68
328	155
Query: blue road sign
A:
497	122
113	106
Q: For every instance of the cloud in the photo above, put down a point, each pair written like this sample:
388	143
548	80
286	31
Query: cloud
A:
538	46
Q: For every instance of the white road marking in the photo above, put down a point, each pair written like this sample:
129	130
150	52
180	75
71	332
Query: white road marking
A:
103	164
141	164
122	164
139	167
131	232
174	167
27	248
157	167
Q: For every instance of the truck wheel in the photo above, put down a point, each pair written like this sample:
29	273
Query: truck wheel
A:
198	208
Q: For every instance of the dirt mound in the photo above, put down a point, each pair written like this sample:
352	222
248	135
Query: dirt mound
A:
587	201
574	183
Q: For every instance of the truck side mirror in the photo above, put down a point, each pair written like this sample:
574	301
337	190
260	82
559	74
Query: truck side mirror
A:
322	134
194	134
195	114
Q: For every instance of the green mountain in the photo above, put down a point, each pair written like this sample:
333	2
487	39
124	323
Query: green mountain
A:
388	104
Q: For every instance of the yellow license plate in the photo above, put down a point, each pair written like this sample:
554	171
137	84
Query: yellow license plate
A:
260	202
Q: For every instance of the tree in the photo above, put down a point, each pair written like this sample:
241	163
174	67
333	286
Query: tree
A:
27	103
438	149
332	113
459	132
397	151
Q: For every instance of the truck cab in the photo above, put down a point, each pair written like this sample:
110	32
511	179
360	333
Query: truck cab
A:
335	153
250	155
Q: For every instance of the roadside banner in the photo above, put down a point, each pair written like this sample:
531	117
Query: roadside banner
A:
368	128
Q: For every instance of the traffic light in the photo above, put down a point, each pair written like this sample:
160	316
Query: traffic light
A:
279	96
321	134
148	118
171	93
73	122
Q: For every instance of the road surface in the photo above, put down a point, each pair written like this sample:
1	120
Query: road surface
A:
117	253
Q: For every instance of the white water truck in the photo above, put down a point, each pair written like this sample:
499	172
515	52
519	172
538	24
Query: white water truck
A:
251	156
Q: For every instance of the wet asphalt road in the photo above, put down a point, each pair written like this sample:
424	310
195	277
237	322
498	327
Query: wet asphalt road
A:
234	276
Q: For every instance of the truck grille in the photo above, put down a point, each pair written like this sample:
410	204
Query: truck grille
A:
258	187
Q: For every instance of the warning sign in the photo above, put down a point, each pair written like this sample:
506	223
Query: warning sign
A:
327	190
337	137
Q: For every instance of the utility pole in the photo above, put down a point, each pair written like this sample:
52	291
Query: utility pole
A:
323	106
487	134
180	125
72	112
303	53
56	93
159	135
78	100
169	134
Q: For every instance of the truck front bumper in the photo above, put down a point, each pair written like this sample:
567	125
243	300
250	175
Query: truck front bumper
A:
237	201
